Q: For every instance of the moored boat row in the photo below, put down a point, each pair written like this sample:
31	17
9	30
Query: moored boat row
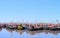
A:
31	27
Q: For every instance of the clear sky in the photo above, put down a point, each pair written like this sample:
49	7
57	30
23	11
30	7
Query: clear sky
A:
29	10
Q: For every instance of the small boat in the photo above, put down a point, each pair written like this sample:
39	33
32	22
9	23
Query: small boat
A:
10	27
4	25
54	27
36	28
0	26
20	27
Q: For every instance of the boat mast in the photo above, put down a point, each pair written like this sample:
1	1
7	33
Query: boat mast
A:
57	23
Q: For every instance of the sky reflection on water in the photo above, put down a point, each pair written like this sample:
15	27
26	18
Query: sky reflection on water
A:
8	33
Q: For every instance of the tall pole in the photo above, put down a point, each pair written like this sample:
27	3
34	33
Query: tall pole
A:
58	23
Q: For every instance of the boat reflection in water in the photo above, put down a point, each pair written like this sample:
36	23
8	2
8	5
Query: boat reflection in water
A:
0	29
33	32
10	33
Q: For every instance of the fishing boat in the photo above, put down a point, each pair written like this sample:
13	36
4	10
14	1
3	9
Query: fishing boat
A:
53	27
20	27
35	28
10	27
0	26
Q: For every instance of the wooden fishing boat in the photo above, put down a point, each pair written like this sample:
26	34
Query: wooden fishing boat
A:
0	26
10	27
56	29
35	28
20	27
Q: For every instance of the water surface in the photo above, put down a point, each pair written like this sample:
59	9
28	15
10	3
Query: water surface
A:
8	33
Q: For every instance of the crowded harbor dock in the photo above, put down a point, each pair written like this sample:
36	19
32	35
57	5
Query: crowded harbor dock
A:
31	26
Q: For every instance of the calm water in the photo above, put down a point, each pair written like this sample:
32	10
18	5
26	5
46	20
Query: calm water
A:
8	33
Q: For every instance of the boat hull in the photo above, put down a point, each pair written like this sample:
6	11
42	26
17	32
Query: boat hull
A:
54	29
35	29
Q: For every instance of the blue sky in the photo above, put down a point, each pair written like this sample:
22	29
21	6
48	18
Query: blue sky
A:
29	10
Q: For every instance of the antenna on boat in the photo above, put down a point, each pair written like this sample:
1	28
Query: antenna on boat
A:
58	23
35	20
